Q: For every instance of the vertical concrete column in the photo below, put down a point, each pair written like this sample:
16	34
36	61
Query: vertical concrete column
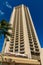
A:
26	41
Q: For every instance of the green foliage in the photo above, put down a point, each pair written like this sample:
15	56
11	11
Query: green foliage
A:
4	27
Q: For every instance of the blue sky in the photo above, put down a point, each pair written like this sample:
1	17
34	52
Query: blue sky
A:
36	10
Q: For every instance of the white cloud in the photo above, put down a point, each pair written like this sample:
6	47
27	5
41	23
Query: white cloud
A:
8	5
6	2
1	12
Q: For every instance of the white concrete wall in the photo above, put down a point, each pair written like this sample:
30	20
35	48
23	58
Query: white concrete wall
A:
41	56
26	41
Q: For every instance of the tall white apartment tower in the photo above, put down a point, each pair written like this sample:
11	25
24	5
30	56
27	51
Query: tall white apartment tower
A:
24	39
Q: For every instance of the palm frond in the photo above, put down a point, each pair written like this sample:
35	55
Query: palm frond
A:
4	27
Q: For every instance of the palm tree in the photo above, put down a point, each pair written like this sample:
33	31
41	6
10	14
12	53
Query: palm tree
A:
4	27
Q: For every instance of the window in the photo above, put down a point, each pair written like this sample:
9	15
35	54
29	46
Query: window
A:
16	50
21	45
17	36
36	46
37	54
11	44
32	53
32	48
35	43
22	49
21	34
31	45
11	50
12	41
37	49
30	41
16	46
7	39
16	40
11	47
16	43
29	36
21	42
16	32
21	31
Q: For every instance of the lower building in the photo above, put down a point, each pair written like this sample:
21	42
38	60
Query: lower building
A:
12	59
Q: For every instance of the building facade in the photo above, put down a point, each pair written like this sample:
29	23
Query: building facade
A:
41	56
11	59
24	40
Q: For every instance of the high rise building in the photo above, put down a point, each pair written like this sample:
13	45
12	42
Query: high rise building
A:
24	40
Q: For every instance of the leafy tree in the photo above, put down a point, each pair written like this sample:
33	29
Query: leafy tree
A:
4	27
